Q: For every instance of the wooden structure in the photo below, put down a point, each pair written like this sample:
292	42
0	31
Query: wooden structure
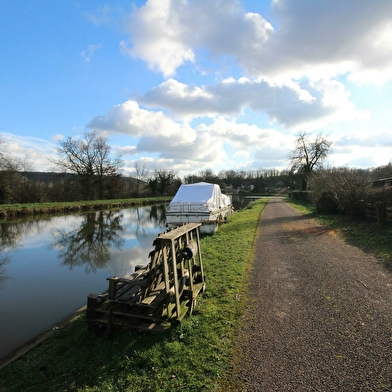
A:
380	212
155	295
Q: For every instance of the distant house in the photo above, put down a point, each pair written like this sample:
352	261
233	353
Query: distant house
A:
247	187
382	182
227	189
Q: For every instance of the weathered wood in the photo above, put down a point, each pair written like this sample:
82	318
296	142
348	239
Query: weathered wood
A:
373	212
160	293
128	295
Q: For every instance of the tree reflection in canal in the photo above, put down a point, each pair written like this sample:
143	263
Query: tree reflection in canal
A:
3	260
89	243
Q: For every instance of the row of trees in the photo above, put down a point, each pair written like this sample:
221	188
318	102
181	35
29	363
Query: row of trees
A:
85	170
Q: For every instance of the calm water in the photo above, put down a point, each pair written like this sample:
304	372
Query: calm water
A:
49	266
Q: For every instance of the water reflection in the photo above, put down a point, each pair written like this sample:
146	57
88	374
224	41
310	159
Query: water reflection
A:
49	266
240	202
10	239
3	260
89	243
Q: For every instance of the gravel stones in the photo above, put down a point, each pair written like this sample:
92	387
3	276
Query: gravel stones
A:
319	316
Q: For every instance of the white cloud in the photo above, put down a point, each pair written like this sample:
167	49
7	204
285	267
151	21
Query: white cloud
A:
35	151
305	105
362	148
377	139
129	119
159	36
89	52
125	150
204	145
57	137
324	39
315	39
166	34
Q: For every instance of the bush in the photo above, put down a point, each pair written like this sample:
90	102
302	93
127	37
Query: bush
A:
327	203
379	194
340	190
300	195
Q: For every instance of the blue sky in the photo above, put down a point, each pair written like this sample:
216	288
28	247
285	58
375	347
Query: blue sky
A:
189	85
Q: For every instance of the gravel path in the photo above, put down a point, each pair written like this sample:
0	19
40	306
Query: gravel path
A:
320	314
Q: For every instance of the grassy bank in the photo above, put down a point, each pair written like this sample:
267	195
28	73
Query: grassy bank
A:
363	233
188	357
12	211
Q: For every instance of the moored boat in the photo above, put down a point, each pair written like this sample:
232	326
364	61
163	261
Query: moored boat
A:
199	202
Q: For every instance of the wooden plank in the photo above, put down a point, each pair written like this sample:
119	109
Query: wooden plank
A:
175	278
124	284
154	294
166	271
136	275
138	316
129	294
120	292
178	232
140	326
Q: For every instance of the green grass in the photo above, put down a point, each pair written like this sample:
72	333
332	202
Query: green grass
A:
188	357
363	233
11	211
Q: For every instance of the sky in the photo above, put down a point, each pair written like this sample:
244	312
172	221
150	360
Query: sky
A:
194	85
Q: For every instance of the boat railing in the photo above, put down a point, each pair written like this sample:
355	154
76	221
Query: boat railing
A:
188	207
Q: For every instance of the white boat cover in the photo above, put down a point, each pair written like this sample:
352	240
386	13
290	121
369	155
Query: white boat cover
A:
204	193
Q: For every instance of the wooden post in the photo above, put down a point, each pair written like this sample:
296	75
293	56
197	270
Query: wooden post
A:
175	278
165	269
113	280
381	211
200	259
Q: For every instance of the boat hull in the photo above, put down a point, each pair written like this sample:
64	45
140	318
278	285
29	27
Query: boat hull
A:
210	220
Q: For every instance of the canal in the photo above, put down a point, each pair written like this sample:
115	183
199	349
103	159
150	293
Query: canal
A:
48	266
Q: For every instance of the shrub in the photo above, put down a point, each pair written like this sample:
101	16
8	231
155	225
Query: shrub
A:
339	190
327	203
379	194
300	195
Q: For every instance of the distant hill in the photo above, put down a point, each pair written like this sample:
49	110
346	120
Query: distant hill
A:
50	177
53	178
46	177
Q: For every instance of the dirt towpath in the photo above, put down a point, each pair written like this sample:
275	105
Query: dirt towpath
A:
320	315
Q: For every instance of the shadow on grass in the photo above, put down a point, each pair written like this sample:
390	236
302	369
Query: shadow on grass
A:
363	233
366	235
77	359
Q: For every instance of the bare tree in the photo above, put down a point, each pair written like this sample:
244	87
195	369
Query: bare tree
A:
90	159
12	183
308	154
162	181
141	174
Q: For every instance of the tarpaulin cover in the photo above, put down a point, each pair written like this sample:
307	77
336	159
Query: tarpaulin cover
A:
200	193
